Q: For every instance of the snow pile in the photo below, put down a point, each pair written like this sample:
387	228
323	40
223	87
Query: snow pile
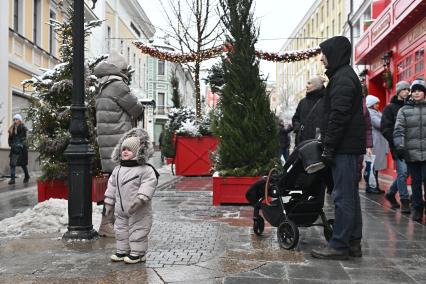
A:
47	217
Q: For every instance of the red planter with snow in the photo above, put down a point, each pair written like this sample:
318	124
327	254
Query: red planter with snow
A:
192	155
229	190
58	189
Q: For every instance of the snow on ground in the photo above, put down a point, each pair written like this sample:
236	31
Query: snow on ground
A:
48	217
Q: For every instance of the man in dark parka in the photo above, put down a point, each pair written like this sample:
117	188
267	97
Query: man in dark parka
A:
343	135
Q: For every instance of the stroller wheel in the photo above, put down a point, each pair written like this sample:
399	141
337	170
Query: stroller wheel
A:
258	225
288	234
327	231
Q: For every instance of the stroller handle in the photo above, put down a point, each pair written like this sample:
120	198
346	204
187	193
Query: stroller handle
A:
267	185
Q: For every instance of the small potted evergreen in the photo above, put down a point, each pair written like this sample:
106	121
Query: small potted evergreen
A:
50	114
246	126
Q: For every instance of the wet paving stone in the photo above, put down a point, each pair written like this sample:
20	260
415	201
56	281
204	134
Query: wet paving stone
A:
318	270
245	280
379	275
194	242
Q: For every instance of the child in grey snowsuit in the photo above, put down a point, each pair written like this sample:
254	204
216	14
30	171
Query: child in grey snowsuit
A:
130	189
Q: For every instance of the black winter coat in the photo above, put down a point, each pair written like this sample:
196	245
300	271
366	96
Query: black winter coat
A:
387	124
18	146
344	129
304	121
284	136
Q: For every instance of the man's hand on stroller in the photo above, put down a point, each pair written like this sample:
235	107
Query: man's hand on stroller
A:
327	156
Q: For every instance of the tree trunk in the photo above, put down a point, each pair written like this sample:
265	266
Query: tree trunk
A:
197	89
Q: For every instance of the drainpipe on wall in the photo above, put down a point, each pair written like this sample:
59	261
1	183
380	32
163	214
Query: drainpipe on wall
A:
351	28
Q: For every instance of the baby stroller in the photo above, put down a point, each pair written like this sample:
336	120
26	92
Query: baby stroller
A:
292	197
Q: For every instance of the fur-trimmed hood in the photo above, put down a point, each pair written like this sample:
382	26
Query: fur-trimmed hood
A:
145	152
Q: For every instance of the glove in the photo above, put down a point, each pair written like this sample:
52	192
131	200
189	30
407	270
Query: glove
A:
400	153
108	209
141	199
327	157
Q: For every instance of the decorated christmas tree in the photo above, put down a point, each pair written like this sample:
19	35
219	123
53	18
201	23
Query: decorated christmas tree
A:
50	103
247	128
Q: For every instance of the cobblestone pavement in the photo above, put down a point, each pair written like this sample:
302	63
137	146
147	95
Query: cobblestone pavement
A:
193	242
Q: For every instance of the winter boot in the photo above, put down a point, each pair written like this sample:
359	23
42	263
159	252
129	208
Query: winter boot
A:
405	206
418	215
106	229
392	200
117	257
355	248
131	258
26	179
12	181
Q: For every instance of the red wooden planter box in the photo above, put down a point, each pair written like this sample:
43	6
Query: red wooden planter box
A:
169	160
192	155
58	189
231	189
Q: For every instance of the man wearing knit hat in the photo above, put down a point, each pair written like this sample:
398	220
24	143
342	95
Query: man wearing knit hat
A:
387	126
409	137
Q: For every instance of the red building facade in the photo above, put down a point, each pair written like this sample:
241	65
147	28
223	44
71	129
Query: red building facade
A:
392	48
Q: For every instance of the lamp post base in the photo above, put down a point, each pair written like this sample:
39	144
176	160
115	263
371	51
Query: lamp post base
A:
80	234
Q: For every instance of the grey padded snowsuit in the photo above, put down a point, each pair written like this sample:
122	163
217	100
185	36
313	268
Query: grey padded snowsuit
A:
124	186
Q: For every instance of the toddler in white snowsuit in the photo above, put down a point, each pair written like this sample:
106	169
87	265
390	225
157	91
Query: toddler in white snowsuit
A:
130	189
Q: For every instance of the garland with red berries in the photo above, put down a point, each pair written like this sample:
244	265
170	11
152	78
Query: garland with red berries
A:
219	50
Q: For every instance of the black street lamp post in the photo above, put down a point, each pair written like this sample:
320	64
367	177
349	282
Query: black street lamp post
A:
79	153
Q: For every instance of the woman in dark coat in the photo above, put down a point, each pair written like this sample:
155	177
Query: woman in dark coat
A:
309	111
18	148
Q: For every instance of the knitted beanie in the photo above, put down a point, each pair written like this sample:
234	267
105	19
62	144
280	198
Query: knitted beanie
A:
131	143
401	85
118	60
18	117
371	100
418	84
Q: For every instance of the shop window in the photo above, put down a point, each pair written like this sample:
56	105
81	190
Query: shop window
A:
419	59
405	69
412	66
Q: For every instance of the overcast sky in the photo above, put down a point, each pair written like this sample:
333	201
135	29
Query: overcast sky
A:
275	18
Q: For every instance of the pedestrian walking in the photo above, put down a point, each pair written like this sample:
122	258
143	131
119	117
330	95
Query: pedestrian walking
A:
284	138
309	111
368	136
409	137
18	155
343	135
387	126
380	144
160	144
116	110
130	190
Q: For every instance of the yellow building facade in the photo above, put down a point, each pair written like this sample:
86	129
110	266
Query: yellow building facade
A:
324	19
29	45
